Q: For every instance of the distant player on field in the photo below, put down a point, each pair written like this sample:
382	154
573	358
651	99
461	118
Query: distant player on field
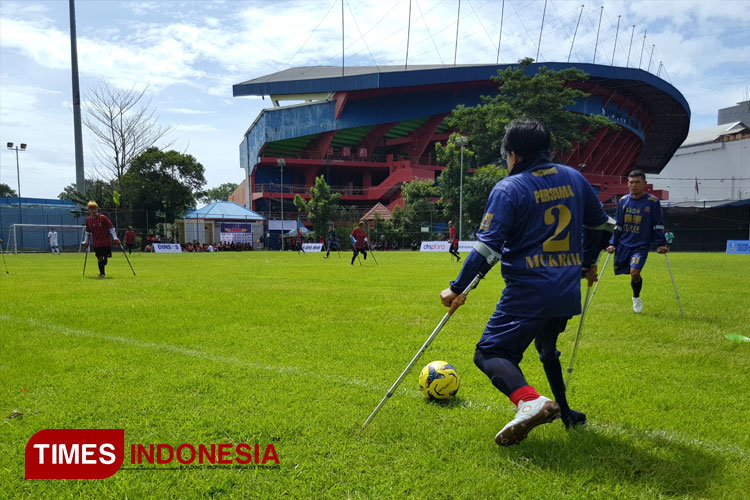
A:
331	242
359	237
639	221
533	223
669	237
101	233
130	239
52	238
453	241
299	241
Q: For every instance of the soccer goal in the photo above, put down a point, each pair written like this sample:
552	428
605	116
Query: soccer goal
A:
33	238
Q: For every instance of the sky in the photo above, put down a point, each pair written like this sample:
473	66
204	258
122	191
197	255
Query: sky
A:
188	54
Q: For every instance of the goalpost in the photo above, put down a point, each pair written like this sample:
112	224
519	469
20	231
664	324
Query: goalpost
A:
33	237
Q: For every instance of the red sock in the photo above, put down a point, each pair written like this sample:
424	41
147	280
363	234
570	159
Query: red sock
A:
525	393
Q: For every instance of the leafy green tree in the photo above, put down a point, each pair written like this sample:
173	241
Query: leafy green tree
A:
542	96
476	192
219	193
97	190
321	206
6	191
165	181
449	182
418	209
386	227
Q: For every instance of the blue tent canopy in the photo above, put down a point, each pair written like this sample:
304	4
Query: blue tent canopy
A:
224	210
302	229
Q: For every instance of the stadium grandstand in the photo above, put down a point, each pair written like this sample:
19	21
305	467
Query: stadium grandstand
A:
375	128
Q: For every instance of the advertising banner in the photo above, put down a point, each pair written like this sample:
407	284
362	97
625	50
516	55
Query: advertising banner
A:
167	248
312	247
738	246
443	246
275	225
236	233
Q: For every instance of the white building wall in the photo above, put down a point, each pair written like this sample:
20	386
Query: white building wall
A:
722	170
194	231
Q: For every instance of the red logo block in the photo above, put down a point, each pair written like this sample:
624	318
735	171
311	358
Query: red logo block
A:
74	453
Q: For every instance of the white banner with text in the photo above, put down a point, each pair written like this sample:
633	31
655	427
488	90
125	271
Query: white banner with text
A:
167	248
443	246
312	247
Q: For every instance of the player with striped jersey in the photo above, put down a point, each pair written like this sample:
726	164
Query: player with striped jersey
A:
100	232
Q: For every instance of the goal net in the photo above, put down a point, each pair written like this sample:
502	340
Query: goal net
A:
33	238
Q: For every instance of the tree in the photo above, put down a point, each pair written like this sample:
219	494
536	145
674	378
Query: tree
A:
6	191
164	181
96	190
417	209
449	182
321	206
477	187
543	96
477	191
220	193
123	125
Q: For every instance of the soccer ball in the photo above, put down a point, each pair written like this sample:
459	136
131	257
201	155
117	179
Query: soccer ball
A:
439	380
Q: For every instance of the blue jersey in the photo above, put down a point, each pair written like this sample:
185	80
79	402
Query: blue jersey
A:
535	220
638	222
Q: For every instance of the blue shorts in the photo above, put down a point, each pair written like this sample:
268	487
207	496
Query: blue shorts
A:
627	258
510	336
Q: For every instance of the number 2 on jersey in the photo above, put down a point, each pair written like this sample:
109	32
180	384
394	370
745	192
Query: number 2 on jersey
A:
553	243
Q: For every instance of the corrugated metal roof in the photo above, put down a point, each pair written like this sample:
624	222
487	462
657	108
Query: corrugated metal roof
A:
13	200
314	72
224	210
706	135
318	79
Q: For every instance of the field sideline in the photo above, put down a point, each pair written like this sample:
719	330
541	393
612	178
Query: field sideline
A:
294	350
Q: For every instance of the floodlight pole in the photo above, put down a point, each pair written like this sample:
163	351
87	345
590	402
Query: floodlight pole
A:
18	169
77	133
461	141
281	162
18	174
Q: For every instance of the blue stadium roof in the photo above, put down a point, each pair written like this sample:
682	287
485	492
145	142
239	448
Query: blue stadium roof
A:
227	210
391	94
317	79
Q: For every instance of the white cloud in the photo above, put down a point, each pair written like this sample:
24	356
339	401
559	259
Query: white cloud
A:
188	111
201	127
191	53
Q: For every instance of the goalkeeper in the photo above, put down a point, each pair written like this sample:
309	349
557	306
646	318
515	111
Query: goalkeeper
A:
101	232
533	222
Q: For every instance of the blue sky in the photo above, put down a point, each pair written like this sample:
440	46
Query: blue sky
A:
189	53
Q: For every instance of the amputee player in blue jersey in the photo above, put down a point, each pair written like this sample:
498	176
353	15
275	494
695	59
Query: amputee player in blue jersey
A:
533	223
639	221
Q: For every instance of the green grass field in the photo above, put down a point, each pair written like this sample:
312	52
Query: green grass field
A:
294	350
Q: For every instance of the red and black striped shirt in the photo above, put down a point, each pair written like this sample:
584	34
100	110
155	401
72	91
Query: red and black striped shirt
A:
99	228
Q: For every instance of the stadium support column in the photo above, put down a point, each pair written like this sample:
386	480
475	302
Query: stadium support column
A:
280	162
247	188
